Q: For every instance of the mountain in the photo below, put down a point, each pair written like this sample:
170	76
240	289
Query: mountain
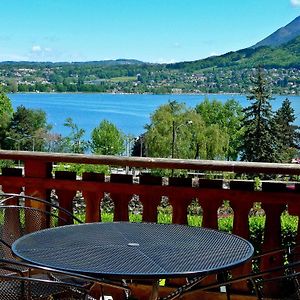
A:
284	56
282	35
227	73
117	62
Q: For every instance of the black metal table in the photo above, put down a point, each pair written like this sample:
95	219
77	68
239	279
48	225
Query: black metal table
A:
134	250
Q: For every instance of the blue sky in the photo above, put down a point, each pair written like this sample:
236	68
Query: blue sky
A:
148	30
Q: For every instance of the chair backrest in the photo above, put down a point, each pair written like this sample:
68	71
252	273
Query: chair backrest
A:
66	217
286	276
17	285
22	214
50	282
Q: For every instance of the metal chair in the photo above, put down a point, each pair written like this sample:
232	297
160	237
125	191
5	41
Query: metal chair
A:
288	273
15	284
23	214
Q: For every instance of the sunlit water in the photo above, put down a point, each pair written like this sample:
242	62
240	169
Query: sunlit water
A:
130	113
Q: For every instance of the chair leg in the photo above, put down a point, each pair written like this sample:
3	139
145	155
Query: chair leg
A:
228	292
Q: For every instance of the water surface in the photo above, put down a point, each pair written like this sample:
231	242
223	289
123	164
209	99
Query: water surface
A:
130	113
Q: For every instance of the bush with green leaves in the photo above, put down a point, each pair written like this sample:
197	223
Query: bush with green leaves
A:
81	168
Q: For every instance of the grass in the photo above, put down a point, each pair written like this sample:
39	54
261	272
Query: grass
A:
194	220
123	79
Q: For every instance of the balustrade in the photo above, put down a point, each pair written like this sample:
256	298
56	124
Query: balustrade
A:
37	178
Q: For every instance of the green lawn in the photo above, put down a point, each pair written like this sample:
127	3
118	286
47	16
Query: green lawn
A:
123	79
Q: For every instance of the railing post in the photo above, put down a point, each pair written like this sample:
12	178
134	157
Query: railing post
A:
272	240
210	201
92	199
241	205
16	174
179	199
121	198
150	199
66	196
37	169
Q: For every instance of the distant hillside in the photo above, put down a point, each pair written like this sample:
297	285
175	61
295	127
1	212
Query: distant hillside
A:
116	62
282	35
228	73
284	56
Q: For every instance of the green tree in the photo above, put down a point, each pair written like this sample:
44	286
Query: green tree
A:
227	117
259	140
216	146
6	113
27	130
75	142
107	139
180	132
164	136
287	133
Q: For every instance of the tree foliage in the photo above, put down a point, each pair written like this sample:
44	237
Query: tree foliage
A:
75	142
6	110
259	141
287	133
180	132
159	137
6	113
27	129
107	139
226	117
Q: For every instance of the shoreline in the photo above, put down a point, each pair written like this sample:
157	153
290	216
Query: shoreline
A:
173	94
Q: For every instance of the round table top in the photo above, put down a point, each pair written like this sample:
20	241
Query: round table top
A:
134	250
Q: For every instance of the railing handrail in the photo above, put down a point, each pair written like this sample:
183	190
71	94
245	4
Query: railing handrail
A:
151	162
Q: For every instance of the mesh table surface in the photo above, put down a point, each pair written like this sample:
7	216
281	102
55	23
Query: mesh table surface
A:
129	250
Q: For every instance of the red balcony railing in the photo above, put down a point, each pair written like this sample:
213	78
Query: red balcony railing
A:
37	178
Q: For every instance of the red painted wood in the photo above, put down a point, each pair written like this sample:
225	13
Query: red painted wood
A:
38	181
65	197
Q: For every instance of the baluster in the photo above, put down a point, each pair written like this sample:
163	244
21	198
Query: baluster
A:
151	197
272	241
65	197
179	198
294	209
210	200
241	204
120	197
92	199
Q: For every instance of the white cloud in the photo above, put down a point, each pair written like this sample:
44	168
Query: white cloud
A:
39	49
295	2
36	48
41	53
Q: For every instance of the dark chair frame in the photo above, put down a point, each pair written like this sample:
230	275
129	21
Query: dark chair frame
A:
7	197
54	276
56	286
289	270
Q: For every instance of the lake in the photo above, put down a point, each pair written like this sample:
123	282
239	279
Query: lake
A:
130	113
